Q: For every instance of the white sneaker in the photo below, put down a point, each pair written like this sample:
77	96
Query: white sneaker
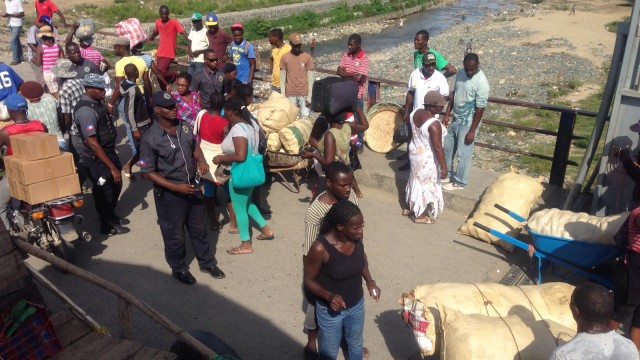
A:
452	186
445	181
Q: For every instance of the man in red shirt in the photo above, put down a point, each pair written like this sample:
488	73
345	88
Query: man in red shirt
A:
355	65
218	39
48	8
168	29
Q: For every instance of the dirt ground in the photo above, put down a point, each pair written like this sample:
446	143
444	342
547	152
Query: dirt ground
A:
585	30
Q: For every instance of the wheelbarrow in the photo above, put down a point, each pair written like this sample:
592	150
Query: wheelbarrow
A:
280	163
579	257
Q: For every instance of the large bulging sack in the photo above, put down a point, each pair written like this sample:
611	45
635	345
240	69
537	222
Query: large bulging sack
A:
577	226
86	28
515	192
132	29
421	308
481	337
273	142
333	95
276	113
295	136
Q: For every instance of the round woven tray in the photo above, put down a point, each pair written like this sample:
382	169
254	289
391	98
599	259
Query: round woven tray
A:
383	119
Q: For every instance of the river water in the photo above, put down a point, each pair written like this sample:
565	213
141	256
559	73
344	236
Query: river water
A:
433	20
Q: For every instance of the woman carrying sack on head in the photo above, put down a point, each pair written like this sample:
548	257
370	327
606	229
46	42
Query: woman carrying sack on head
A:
240	147
210	128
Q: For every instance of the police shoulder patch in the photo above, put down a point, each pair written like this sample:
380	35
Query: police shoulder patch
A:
185	128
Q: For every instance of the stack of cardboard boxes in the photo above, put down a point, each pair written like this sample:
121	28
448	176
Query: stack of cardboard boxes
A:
37	171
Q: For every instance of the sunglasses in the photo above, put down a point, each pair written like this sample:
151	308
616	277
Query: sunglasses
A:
213	60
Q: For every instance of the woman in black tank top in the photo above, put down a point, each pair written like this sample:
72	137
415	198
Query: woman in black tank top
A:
335	267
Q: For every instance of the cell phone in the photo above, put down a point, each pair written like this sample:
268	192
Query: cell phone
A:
198	178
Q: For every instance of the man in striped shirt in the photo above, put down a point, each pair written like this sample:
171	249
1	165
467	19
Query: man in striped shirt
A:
355	65
339	182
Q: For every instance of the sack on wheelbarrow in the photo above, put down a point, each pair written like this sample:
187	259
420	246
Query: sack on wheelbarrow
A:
510	337
515	192
578	226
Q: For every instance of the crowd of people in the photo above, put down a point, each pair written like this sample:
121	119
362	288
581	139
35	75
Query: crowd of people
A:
190	138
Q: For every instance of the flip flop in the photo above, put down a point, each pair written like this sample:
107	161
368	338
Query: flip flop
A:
406	212
424	220
238	251
234	231
262	237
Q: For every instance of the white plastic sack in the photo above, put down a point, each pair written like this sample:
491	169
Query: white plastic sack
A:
578	226
276	113
515	192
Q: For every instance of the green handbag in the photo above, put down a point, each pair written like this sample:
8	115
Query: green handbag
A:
250	172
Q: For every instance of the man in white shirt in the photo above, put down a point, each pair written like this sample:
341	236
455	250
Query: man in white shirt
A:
199	43
592	307
15	13
423	80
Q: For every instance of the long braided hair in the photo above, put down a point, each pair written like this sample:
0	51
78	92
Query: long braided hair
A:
340	213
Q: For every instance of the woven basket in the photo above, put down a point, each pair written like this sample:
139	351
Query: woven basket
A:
279	159
383	119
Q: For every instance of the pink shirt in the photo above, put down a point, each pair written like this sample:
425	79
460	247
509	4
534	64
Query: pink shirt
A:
49	56
356	64
92	55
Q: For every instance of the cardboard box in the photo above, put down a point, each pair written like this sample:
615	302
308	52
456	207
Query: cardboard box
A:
33	171
34	145
45	190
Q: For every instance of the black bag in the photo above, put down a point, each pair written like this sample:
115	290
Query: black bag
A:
354	160
333	95
401	133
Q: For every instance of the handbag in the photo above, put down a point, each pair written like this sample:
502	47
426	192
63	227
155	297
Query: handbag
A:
222	174
209	150
250	172
401	133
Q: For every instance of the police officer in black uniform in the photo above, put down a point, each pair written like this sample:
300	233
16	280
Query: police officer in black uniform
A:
171	160
99	136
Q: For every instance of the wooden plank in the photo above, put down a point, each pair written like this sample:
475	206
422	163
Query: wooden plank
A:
13	274
30	293
68	330
120	349
124	319
148	353
86	348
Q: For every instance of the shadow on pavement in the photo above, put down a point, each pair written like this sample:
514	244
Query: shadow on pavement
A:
397	336
194	307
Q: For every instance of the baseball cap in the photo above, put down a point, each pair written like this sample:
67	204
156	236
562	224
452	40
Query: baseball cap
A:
635	127
122	40
237	26
295	39
163	98
196	16
15	102
434	98
45	19
211	19
429	58
94	81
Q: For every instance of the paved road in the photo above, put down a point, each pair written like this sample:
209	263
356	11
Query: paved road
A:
257	307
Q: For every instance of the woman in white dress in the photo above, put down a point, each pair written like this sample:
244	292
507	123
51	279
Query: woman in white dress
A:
426	155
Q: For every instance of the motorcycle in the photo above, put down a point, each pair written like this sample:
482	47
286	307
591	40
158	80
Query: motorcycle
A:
51	225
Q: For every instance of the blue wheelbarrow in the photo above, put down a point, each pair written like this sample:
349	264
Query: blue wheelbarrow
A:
579	257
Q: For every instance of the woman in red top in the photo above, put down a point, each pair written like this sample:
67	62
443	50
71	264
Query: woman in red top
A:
211	128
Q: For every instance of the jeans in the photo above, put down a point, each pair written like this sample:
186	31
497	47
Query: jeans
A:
5	198
194	67
300	101
454	145
127	126
16	47
332	324
175	212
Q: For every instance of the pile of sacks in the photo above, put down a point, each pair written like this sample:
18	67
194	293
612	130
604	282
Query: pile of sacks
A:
489	321
278	117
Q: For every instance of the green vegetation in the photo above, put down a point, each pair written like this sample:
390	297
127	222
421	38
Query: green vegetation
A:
613	26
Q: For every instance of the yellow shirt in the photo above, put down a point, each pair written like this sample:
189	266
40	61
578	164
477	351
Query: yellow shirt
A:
138	62
276	55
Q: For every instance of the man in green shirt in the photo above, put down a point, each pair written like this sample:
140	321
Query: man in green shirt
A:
421	44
